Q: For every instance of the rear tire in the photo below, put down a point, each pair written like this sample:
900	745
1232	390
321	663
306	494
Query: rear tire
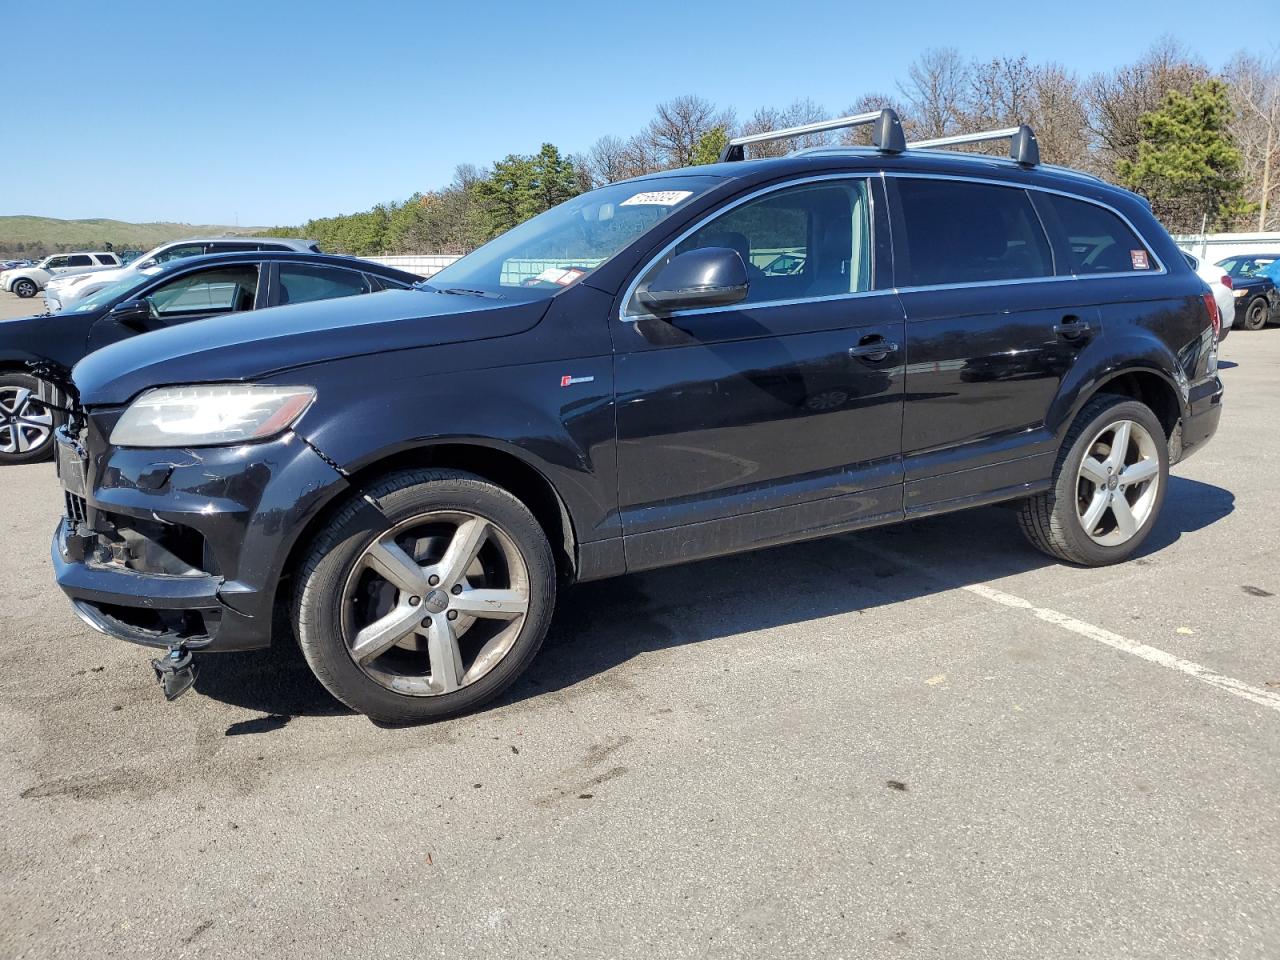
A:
433	614
1085	517
1255	315
25	288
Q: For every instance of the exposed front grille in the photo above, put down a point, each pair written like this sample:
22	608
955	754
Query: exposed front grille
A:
77	509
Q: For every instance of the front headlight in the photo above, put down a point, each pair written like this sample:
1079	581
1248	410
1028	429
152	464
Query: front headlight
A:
1239	293
207	416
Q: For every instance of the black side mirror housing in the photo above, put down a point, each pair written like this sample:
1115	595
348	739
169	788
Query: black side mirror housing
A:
132	313
706	277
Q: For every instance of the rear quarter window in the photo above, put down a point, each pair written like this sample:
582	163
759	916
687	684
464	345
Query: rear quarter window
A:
1098	241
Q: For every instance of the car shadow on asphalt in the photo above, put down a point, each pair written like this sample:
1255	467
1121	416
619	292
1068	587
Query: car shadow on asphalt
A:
602	625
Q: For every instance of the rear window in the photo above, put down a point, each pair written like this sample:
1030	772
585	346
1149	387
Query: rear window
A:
107	259
79	260
959	232
302	283
1099	241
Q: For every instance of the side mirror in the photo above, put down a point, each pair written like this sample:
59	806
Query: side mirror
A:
135	314
706	277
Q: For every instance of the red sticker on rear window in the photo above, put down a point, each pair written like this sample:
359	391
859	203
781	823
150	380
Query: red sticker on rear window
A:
1139	258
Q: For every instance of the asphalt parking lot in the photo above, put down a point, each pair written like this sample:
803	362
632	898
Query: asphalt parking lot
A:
920	740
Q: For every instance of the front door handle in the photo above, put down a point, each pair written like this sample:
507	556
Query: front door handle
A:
874	348
1071	327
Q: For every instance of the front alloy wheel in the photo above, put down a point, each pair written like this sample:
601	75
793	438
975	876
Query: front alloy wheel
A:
26	423
24	288
435	603
429	606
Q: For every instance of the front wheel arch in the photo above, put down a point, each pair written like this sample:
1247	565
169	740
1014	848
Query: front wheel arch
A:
499	467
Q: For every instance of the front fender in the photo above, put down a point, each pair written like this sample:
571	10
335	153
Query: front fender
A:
563	430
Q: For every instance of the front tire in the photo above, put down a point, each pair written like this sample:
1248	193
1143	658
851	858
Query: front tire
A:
24	288
433	614
26	423
1255	315
1108	486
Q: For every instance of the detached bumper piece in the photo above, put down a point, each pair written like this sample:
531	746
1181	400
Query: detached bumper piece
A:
176	672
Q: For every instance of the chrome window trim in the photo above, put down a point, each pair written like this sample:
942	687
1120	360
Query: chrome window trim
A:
863	175
1161	271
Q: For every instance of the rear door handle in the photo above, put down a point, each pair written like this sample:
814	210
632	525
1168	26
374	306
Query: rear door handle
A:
1071	327
873	348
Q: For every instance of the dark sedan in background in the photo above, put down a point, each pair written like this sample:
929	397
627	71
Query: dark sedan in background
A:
38	352
1254	288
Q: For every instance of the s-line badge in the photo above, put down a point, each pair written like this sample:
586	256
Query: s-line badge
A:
568	381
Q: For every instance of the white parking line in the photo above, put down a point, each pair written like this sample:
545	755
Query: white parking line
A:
1264	698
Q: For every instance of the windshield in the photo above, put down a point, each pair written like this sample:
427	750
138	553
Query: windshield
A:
106	295
561	246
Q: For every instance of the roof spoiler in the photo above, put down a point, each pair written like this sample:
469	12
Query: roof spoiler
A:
886	133
1023	148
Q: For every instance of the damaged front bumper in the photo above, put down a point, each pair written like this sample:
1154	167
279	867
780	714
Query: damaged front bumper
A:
184	548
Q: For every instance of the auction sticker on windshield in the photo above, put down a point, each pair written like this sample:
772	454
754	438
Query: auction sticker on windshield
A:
657	198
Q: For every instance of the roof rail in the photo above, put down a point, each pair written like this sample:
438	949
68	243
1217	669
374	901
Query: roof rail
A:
1023	148
886	134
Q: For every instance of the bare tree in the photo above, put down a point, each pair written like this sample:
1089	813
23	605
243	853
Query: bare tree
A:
1116	101
999	93
1058	115
606	161
1255	98
937	82
680	124
639	156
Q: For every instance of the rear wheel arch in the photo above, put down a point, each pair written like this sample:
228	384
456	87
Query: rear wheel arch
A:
1153	389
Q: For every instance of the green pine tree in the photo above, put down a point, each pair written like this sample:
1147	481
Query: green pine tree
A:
1188	165
709	146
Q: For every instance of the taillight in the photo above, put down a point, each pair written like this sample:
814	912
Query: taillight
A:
1215	317
1226	281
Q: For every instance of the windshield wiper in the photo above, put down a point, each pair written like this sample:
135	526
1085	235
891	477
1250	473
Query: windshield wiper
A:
464	292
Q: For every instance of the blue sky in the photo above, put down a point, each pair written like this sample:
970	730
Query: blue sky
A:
271	112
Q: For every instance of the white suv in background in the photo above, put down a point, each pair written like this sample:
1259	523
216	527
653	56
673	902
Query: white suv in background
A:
26	281
64	292
1223	296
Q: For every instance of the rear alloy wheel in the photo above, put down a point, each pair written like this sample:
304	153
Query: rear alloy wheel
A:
24	288
436	612
26	423
1255	316
1108	486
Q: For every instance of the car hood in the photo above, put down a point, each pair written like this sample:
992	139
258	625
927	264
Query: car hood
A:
255	344
106	276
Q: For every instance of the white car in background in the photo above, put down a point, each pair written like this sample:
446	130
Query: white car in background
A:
65	292
1220	285
27	281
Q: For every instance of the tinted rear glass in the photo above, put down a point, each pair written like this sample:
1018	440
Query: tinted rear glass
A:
960	232
1099	241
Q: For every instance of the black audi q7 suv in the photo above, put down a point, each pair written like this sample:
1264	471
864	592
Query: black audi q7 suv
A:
620	383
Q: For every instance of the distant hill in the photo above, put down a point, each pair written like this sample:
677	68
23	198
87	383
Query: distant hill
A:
41	236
